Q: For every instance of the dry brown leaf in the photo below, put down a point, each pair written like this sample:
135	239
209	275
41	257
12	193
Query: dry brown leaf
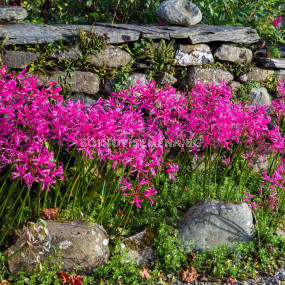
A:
4	282
189	275
49	214
145	273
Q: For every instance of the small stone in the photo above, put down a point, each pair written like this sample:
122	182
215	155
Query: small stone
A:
110	57
12	13
277	63
166	79
207	224
179	12
70	55
139	247
235	86
18	59
86	82
76	242
135	77
260	97
233	54
206	76
257	75
199	54
281	76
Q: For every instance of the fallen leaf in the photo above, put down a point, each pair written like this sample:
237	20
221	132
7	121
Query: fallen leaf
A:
145	273
72	279
63	277
4	282
231	281
49	214
189	275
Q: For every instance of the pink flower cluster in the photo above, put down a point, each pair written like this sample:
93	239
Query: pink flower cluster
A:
275	22
32	118
26	124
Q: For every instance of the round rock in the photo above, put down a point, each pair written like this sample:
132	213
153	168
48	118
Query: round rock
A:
82	246
213	223
179	12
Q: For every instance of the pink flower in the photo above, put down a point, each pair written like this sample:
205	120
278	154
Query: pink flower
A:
275	22
149	192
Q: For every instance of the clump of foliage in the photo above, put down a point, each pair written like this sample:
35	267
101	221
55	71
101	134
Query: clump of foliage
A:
158	56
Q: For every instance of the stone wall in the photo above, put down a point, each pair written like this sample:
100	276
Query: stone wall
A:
200	53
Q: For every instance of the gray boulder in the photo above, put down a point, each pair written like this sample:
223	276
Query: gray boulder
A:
111	57
18	59
199	54
81	246
12	13
213	223
257	75
206	76
233	54
259	97
78	81
180	12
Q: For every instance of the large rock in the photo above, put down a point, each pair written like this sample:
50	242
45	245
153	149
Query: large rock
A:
206	76
233	54
86	82
260	97
70	55
281	76
18	59
12	13
111	57
213	223
179	12
140	247
278	63
81	245
257	75
193	55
